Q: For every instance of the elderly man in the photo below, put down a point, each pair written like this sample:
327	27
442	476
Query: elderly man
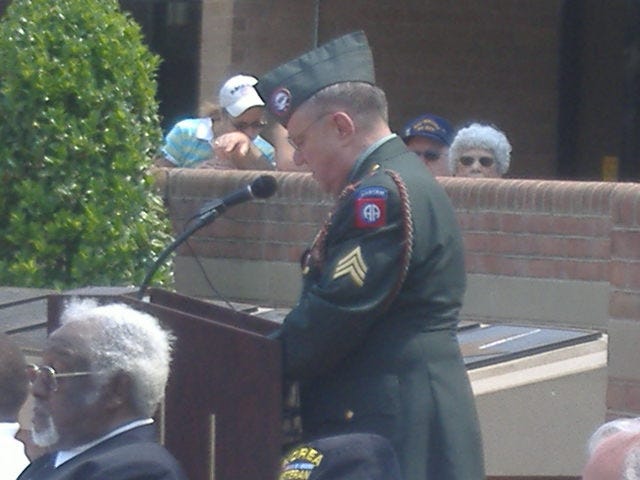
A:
103	374
14	387
615	457
429	137
372	339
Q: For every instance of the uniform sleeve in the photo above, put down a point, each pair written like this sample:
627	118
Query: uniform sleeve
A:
347	292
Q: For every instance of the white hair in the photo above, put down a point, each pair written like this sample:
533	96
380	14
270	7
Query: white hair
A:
363	100
486	137
47	436
631	469
126	340
606	430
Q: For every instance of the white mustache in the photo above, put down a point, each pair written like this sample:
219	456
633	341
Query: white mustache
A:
47	437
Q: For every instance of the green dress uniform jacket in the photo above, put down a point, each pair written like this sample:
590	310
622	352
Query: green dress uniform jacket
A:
372	339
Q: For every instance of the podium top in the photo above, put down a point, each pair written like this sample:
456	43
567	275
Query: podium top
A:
23	315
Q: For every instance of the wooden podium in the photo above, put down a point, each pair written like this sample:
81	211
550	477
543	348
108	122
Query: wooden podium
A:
222	416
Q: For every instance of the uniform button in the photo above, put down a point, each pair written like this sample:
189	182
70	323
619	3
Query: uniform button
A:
348	414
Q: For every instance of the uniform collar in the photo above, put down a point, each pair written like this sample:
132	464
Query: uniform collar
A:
353	175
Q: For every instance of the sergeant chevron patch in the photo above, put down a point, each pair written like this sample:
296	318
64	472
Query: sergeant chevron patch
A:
352	265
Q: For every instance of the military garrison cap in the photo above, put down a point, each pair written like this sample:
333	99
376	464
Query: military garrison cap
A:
352	456
344	59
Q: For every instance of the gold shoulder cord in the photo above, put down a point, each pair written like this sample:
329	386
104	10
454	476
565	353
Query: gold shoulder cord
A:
317	250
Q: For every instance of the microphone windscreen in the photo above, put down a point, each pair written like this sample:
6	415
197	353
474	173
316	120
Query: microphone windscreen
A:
264	186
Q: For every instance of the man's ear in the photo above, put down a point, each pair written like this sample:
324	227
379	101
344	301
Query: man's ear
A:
344	124
118	391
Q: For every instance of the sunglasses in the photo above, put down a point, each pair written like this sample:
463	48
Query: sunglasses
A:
484	161
429	155
49	377
242	126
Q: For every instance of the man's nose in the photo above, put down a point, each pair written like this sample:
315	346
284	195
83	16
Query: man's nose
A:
39	389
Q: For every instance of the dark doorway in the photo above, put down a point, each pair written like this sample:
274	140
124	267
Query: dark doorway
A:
630	157
172	30
599	90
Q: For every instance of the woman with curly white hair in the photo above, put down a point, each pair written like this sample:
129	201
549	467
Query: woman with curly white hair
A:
479	151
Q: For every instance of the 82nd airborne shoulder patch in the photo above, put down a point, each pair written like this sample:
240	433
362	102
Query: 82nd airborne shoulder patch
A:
371	207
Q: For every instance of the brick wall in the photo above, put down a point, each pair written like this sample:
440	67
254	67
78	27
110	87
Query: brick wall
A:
536	229
542	251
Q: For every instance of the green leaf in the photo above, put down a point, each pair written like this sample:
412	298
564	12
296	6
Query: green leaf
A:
80	121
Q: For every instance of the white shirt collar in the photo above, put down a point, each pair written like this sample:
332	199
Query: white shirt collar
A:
9	429
204	129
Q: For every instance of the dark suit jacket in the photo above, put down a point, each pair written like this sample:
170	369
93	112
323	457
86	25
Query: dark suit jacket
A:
373	337
132	455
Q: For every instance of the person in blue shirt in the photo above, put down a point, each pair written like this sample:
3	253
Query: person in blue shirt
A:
226	137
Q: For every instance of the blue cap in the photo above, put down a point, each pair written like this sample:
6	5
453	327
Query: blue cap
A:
429	126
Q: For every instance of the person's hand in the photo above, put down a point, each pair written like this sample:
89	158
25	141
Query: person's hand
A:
231	145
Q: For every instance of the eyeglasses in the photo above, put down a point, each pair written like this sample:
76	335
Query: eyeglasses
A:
49	376
298	143
429	155
242	126
486	162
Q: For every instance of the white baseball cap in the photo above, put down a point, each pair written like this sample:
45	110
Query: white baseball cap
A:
237	95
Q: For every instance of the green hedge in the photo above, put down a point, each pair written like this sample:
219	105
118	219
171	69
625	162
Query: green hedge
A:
78	127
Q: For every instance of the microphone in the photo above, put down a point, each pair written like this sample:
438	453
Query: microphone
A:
262	187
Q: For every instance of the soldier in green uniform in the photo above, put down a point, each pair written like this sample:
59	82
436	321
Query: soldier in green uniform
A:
372	339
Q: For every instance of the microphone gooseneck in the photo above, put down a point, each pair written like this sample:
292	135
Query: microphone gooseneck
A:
262	187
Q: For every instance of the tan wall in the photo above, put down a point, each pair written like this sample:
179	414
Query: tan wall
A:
558	253
536	412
